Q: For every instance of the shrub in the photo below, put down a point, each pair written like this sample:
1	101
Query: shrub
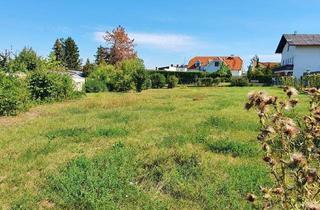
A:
206	81
48	86
95	86
172	81
239	82
216	81
291	150
157	80
13	95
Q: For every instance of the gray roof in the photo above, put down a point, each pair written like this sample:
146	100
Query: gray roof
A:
298	40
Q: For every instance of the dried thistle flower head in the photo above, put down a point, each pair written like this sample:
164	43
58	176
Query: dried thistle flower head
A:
297	159
291	91
289	127
312	206
251	197
278	191
312	175
311	91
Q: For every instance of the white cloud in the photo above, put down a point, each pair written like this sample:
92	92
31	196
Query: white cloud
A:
171	42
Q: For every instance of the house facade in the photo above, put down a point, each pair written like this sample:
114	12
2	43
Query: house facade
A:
213	63
300	54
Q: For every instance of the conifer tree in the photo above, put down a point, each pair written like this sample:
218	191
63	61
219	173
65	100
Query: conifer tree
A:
58	50
102	55
71	54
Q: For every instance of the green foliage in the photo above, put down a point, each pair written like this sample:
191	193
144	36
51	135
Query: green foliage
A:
239	82
71	54
206	81
172	81
14	96
48	86
95	86
124	77
158	80
27	60
102	55
88	68
59	51
312	80
224	71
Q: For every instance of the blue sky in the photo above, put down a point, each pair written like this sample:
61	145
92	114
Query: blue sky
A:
166	32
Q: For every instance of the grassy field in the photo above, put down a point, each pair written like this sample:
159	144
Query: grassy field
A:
186	148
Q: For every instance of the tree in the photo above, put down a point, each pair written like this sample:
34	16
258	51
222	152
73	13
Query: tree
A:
58	50
71	53
27	60
88	68
5	58
121	46
224	71
103	55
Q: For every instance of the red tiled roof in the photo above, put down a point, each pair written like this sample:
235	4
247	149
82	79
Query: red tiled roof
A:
233	62
269	65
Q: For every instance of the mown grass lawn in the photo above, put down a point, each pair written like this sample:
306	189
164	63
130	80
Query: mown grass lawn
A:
186	148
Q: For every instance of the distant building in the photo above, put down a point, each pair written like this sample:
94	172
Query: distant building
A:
78	79
174	68
300	54
255	63
213	64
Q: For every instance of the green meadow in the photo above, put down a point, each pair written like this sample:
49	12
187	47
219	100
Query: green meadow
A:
182	148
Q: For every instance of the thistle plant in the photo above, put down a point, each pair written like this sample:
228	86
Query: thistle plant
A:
291	150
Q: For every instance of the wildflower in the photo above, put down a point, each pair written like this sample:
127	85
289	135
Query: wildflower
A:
251	197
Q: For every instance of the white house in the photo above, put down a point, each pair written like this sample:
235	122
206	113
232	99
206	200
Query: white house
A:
300	54
77	79
176	68
213	64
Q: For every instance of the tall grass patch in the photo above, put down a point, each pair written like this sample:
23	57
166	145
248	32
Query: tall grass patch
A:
105	182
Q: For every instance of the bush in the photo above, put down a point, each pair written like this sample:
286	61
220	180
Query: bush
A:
95	86
13	95
172	81
157	80
48	86
206	81
239	82
217	81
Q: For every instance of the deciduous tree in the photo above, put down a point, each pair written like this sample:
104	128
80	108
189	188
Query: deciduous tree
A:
121	46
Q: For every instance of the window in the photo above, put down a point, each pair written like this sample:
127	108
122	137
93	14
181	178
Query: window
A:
288	47
216	64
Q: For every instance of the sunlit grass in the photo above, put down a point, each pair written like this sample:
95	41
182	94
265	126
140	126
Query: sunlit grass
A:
189	148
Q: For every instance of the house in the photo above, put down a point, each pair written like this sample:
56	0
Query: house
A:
78	79
256	63
300	54
213	64
175	68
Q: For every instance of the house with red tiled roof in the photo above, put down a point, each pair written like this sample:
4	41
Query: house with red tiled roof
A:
213	64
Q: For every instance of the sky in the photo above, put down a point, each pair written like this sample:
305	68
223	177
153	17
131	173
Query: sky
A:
165	31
